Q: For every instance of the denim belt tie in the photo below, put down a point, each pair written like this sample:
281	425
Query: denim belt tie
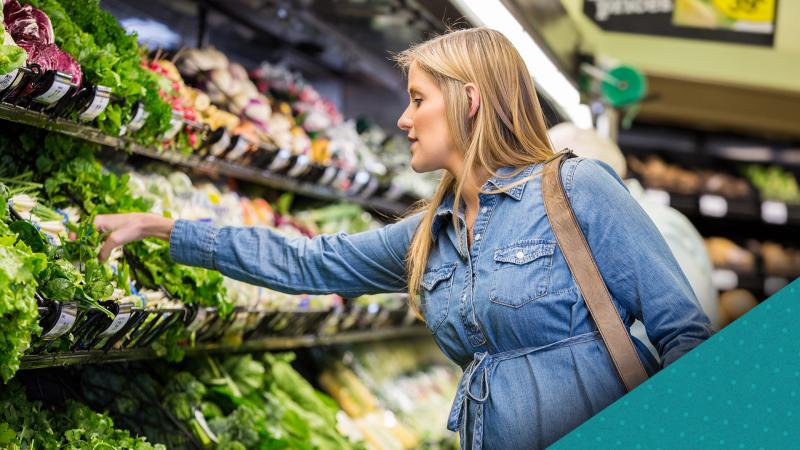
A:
479	371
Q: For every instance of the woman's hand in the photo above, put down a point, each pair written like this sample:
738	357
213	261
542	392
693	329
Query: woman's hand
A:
124	228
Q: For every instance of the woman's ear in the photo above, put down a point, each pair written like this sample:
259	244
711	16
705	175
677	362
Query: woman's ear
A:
474	97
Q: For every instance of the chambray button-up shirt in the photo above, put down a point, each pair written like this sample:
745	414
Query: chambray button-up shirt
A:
506	308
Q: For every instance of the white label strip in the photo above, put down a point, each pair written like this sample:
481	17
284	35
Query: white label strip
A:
239	149
119	321
55	93
98	105
395	192
221	145
328	175
198	321
724	279
8	79
175	126
69	312
371	188
138	119
713	206
299	167
774	212
658	196
281	160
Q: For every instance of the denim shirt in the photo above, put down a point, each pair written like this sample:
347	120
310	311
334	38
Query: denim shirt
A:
506	308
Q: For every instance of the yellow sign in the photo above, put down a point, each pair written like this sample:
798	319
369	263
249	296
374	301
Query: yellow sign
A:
748	10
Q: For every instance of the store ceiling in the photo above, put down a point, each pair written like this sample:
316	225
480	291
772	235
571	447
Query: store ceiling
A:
700	84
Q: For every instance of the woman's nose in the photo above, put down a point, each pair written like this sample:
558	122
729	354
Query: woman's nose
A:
404	122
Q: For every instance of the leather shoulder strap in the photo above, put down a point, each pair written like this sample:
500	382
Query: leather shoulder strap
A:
584	269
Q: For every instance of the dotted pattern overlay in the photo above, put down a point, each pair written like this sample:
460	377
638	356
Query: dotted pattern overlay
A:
739	389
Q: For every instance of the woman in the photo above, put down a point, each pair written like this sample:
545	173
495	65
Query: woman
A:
486	272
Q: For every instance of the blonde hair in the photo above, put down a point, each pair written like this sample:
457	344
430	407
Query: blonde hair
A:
508	130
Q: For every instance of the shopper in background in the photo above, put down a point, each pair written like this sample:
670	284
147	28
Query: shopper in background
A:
682	237
485	270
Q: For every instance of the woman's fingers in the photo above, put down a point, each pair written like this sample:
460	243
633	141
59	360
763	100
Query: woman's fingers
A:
123	228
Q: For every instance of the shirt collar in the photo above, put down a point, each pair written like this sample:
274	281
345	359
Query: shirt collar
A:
505	176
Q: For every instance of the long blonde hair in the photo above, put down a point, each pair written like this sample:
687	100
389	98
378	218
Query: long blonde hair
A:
508	130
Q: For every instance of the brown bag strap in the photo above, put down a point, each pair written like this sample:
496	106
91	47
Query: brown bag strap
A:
581	263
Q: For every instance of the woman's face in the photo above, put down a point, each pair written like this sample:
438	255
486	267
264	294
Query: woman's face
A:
426	124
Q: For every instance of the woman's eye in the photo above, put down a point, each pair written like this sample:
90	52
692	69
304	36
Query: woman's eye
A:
417	101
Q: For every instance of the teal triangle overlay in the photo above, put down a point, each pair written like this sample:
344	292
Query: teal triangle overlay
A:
739	389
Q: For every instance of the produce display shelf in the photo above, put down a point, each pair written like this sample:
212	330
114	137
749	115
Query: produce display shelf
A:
263	344
266	178
718	207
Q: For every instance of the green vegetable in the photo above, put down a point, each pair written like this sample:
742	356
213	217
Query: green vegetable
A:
774	183
11	56
19	317
27	425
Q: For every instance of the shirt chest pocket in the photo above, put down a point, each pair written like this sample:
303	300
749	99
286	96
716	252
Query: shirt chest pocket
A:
436	285
521	272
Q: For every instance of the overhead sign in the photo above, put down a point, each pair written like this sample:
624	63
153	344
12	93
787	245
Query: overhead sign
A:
734	21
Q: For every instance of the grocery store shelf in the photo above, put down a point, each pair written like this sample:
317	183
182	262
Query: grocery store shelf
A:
266	178
263	344
718	207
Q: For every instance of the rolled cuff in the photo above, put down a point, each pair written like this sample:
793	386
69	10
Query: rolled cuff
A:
193	243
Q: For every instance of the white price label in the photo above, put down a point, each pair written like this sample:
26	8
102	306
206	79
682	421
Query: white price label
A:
69	312
328	175
658	196
8	79
724	279
119	321
138	119
281	160
371	188
395	192
55	93
99	103
713	206
199	320
774	284
239	149
774	212
342	180
221	145
175	126
299	167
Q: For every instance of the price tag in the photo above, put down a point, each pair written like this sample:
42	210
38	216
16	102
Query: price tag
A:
657	196
119	321
371	188
395	192
361	178
281	160
57	90
724	279
138	118
713	206
102	97
8	79
342	180
328	176
175	125
199	320
299	167
221	145
239	149
774	212
774	284
66	319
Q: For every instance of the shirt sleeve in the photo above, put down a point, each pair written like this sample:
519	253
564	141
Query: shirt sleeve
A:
640	271
349	265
